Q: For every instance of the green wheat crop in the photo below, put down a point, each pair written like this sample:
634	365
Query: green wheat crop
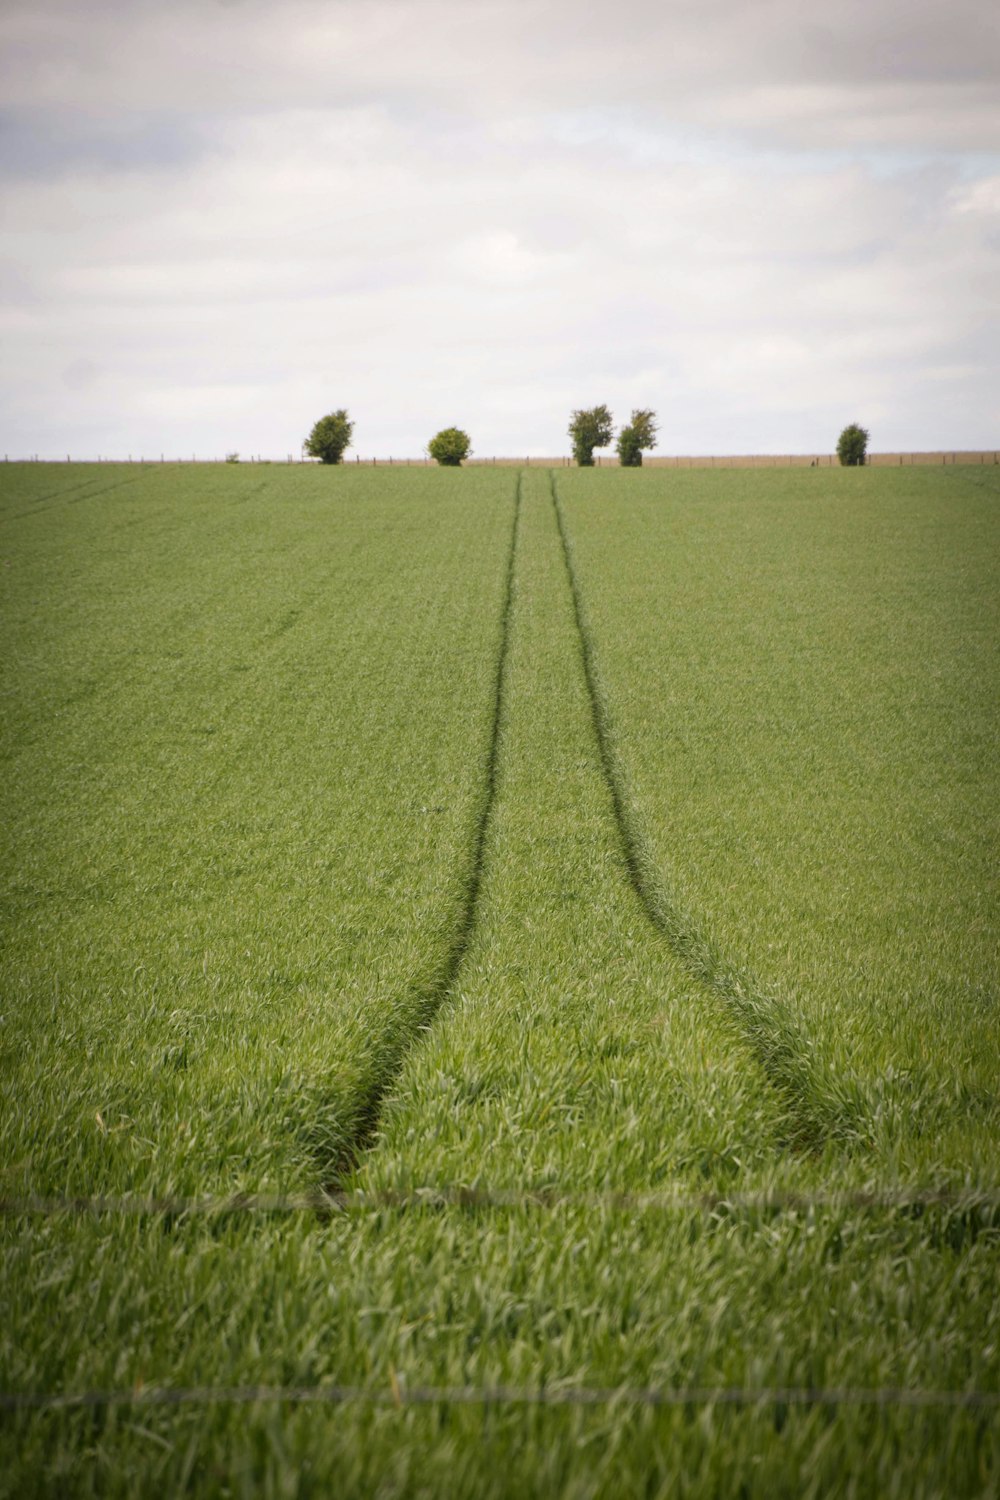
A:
537	861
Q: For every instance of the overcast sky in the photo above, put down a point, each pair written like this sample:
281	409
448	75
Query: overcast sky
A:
223	218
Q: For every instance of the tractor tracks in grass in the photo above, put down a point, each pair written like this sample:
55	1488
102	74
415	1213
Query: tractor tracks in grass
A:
128	671
429	1000
772	1039
70	494
93	489
816	1115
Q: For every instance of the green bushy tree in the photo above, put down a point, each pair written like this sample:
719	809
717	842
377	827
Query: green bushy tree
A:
330	436
590	429
852	445
450	446
639	434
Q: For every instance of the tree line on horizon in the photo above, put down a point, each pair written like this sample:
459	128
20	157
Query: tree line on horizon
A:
589	428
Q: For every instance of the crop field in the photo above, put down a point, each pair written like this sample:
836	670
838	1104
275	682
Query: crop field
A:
499	986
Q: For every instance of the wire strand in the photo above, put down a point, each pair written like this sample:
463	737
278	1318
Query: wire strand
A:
542	1198
399	1395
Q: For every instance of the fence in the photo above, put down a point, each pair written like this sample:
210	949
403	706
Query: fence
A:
601	461
397	1393
984	1203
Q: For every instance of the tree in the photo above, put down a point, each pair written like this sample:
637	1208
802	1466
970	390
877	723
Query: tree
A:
640	433
589	430
852	445
330	436
450	446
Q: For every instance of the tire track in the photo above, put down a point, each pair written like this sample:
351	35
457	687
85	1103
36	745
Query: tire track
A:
782	1049
70	496
429	999
123	670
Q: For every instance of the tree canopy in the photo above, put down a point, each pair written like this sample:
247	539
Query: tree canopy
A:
590	429
852	445
639	434
450	446
329	437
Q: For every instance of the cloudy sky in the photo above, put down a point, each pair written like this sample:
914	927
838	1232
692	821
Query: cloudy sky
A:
222	218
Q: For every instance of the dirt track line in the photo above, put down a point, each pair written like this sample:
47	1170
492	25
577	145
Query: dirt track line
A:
430	1000
771	1034
69	496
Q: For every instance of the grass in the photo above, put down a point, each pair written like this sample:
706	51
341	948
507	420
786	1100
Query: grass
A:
242	768
801	707
537	988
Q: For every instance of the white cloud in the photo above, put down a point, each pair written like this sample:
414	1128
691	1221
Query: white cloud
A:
928	73
220	220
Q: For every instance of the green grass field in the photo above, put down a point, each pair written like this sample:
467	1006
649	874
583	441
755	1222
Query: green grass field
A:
592	877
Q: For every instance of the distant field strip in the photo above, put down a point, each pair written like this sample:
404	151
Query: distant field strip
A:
798	692
244	774
775	1040
441	984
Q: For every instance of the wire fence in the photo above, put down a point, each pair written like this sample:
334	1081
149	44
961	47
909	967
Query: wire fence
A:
398	1394
980	456
967	1200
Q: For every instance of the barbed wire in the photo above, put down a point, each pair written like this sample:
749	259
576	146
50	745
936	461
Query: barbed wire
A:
483	1197
399	1394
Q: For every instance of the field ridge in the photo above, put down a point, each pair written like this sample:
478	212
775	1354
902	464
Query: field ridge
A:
775	1040
436	992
